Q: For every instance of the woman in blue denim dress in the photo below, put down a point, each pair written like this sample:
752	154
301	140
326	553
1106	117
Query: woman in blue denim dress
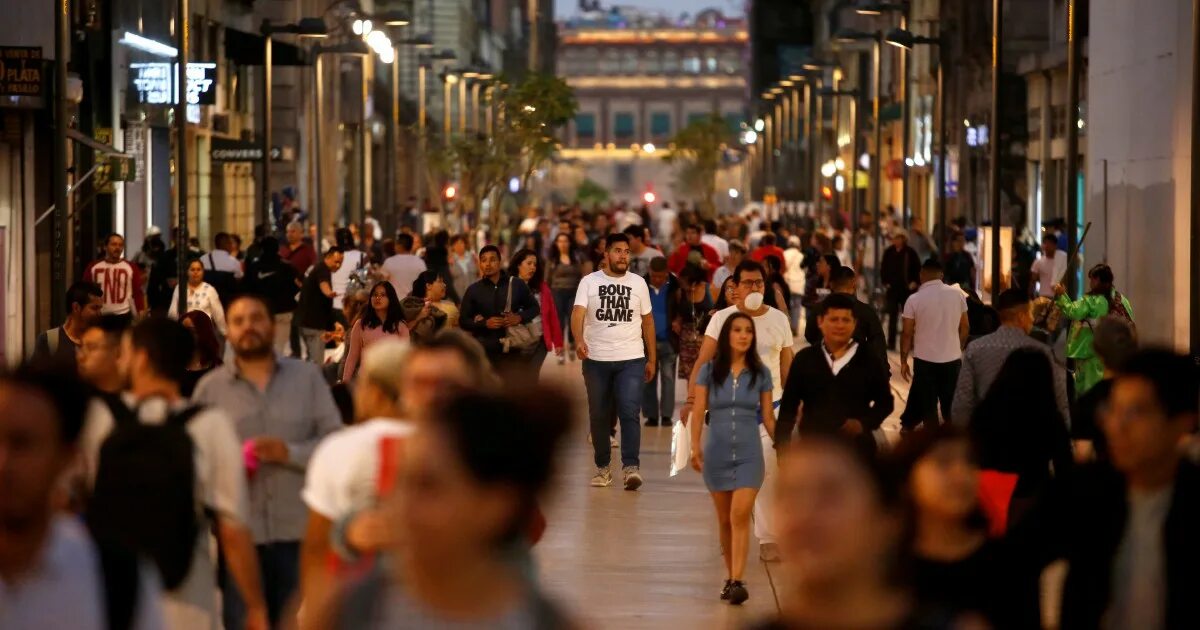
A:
734	387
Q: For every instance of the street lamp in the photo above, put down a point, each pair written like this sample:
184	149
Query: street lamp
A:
306	27
907	40
901	8
876	39
449	78
354	47
839	164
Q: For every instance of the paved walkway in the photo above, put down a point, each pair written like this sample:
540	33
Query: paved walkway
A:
646	559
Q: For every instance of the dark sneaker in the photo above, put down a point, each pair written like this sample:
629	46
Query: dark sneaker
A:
725	590
738	593
768	552
666	421
651	422
602	478
633	478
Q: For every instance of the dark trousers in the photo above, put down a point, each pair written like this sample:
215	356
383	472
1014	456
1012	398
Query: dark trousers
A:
615	386
894	305
279	566
564	302
932	385
654	406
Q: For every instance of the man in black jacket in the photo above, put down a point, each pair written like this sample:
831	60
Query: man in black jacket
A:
276	281
844	388
868	331
483	312
900	272
1128	530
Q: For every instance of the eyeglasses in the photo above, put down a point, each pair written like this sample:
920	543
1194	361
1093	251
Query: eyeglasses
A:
753	284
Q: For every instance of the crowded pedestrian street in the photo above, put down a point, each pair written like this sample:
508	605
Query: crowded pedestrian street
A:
574	314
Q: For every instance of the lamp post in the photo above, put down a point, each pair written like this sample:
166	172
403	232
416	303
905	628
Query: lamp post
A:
448	79
907	40
352	47
420	41
876	39
183	23
306	27
994	144
877	9
1072	165
853	95
424	65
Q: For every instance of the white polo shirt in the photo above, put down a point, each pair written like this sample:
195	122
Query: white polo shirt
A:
936	308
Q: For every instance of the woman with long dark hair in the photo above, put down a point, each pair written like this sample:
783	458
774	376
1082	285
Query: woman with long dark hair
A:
564	270
734	388
1017	426
527	265
955	568
1100	300
207	354
383	317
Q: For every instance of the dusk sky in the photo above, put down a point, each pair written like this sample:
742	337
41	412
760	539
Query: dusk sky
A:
567	8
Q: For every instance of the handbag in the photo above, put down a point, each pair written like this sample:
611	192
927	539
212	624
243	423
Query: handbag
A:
522	337
681	447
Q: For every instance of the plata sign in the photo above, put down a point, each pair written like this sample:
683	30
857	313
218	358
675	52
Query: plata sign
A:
21	71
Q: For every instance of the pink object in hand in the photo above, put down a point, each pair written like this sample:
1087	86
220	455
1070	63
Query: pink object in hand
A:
250	457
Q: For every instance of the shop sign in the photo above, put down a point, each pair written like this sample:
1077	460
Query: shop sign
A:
155	83
226	150
135	145
104	135
22	71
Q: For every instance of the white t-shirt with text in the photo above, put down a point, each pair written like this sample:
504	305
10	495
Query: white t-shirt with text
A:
615	306
773	331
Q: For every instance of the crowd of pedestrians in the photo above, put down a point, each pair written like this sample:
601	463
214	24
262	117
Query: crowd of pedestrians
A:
354	434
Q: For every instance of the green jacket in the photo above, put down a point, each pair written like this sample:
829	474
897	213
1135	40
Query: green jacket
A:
1084	312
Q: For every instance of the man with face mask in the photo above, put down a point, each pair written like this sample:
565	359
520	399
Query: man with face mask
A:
984	357
773	331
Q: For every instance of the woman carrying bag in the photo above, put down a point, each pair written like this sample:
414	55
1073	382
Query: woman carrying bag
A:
527	266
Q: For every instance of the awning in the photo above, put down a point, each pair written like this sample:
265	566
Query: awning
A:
247	49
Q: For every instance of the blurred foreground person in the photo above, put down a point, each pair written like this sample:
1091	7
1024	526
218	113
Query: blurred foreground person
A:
466	493
51	573
841	537
956	568
1128	528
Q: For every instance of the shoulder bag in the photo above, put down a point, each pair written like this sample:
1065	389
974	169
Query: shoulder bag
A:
522	337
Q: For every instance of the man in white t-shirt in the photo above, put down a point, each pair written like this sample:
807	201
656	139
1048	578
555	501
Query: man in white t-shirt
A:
935	330
773	332
1049	269
714	240
403	268
614	338
343	475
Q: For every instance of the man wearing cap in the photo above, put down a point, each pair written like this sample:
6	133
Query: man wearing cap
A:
935	329
899	270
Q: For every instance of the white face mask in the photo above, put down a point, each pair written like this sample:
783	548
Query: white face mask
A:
754	301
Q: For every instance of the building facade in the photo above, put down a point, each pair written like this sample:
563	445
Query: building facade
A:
639	79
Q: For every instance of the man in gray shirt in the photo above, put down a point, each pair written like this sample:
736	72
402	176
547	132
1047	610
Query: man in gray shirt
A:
283	407
984	357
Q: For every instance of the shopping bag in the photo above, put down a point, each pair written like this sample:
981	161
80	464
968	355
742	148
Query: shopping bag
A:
681	447
995	493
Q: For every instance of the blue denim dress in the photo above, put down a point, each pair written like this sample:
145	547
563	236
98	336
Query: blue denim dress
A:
733	456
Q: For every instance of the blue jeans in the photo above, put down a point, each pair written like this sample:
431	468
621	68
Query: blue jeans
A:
664	374
616	384
279	566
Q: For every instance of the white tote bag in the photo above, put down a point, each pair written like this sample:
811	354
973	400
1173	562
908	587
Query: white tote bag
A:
681	448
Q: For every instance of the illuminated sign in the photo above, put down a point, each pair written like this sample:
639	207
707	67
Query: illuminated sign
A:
155	83
21	71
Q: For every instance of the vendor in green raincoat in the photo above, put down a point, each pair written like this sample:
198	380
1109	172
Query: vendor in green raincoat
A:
1100	300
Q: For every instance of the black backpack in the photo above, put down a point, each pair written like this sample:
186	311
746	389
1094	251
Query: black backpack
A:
144	498
223	281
